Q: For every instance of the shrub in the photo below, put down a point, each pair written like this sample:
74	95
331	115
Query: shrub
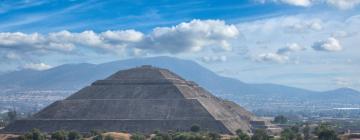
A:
108	137
280	119
59	135
98	137
137	136
162	136
241	135
195	128
190	136
214	136
35	134
73	135
325	132
260	134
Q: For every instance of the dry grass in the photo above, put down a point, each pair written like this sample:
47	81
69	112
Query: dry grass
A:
8	136
118	136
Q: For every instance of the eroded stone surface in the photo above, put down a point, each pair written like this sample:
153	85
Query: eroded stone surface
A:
141	99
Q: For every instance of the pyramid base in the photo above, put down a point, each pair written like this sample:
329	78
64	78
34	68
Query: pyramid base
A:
131	126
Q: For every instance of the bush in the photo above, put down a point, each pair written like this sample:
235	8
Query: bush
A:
241	135
195	128
108	137
95	133
280	119
325	132
190	136
260	134
98	137
73	135
214	136
137	136
35	134
162	136
59	135
288	134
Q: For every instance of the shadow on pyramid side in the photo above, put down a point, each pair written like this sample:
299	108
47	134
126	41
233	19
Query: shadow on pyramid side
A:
141	99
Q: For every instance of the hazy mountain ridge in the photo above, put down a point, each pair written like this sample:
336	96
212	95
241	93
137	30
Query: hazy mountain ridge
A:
76	76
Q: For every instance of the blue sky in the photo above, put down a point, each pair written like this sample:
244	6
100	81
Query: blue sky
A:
310	44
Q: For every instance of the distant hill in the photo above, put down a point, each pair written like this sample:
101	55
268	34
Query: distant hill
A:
76	76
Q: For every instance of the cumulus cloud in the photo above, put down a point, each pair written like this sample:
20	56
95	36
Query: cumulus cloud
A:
121	36
272	57
34	41
343	4
193	36
37	66
281	55
293	47
330	45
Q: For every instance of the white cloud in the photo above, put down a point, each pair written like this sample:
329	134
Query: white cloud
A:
331	45
212	59
192	36
343	4
293	47
340	4
37	66
125	35
34	41
304	3
282	54
271	57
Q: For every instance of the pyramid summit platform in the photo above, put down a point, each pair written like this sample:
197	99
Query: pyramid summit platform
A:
141	99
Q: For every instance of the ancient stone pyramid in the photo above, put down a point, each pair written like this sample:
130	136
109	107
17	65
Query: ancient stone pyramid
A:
141	99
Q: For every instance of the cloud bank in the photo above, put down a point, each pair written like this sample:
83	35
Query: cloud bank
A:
193	36
340	4
186	37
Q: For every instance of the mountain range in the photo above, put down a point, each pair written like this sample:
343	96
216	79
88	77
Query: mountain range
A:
76	76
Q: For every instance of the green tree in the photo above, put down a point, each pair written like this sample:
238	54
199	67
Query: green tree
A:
73	135
35	134
280	119
242	135
306	132
195	128
260	134
59	135
288	134
325	132
11	115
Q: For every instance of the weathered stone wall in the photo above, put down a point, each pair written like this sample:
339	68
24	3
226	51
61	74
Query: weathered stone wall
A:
145	126
139	100
127	109
133	91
